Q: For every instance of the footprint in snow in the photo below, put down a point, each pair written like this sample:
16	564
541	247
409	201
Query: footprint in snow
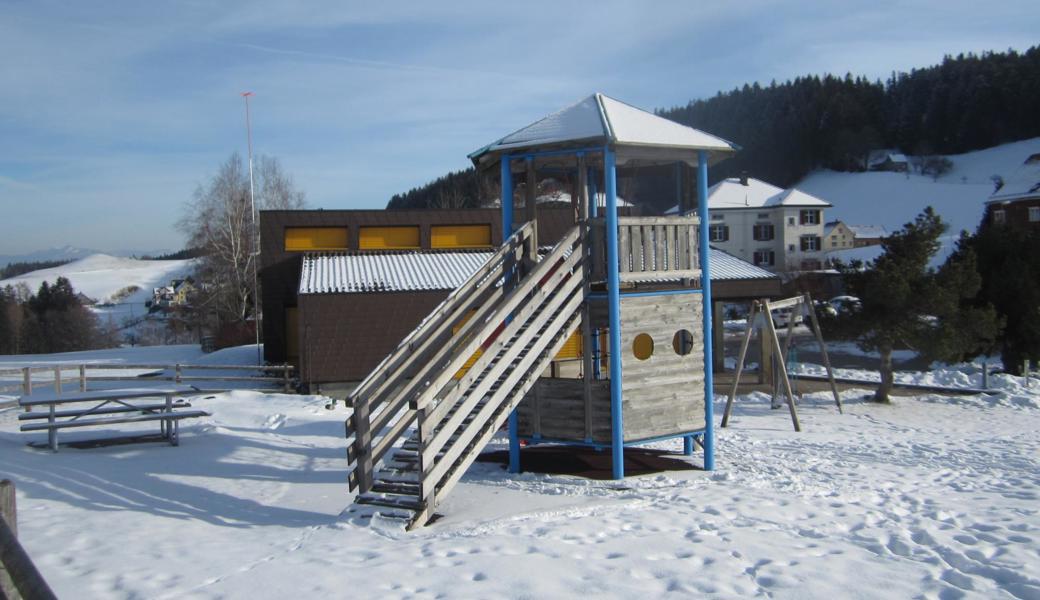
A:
275	421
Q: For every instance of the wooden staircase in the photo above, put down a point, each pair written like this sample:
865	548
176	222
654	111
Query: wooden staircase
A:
422	416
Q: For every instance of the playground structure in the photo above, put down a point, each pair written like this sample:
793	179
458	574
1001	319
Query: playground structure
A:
636	288
761	319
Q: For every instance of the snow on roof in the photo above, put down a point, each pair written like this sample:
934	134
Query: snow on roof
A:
1023	183
731	193
868	231
387	272
602	118
565	197
726	266
878	157
339	273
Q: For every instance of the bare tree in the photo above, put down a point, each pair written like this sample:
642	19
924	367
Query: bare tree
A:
219	220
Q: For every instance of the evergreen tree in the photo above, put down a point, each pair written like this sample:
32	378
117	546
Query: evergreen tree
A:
906	304
1009	263
55	321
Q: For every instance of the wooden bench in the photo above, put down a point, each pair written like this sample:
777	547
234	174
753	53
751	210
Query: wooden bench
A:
110	407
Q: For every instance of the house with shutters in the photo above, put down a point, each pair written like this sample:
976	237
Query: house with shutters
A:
773	228
1016	203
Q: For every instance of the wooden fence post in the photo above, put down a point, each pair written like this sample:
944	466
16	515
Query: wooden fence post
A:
285	378
16	565
27	384
57	380
9	514
177	373
83	378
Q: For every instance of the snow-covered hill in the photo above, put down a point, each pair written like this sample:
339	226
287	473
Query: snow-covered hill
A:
893	199
70	253
102	277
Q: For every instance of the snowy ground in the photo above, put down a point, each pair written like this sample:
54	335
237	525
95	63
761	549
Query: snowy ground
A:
893	199
930	497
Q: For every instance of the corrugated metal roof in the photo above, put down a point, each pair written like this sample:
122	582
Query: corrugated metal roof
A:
332	273
725	266
329	273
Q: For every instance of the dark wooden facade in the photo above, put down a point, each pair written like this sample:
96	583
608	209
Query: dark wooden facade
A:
344	336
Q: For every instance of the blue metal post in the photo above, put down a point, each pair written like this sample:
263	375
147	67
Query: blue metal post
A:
709	379
617	433
678	188
507	230
687	445
506	194
597	357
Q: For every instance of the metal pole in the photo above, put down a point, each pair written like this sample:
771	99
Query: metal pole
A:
506	198
617	433
255	237
597	355
709	376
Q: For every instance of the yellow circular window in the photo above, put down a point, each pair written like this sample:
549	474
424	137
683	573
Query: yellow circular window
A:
643	346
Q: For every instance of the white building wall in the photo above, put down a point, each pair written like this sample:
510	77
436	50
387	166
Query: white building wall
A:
787	234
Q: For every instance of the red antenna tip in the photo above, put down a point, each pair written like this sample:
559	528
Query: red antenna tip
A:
247	93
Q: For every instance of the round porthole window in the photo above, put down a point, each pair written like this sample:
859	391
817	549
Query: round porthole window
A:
643	346
682	342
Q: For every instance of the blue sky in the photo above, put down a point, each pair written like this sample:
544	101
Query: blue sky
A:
112	113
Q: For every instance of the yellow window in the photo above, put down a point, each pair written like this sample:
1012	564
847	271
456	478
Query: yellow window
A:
472	359
315	238
460	236
382	238
571	348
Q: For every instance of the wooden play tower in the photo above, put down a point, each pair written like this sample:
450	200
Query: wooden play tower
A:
637	289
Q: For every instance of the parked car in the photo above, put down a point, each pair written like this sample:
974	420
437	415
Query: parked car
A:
843	304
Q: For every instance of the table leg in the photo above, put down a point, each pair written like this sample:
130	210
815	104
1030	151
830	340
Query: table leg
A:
52	433
169	422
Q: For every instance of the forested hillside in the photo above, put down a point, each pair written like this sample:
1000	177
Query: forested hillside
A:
787	129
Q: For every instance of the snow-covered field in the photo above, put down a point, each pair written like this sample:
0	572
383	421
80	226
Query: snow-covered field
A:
101	276
930	497
892	199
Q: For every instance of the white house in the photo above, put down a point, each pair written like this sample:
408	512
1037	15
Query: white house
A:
777	229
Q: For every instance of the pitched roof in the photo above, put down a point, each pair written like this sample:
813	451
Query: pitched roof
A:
868	231
731	193
1023	183
603	119
413	271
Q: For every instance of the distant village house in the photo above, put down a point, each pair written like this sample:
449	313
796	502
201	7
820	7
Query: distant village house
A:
888	160
1017	202
174	295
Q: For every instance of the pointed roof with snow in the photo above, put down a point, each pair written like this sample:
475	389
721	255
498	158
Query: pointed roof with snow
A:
601	119
1023	184
733	193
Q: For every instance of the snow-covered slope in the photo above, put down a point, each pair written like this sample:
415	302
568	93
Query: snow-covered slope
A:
893	199
101	276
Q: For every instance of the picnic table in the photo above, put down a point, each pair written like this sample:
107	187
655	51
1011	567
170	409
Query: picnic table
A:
110	407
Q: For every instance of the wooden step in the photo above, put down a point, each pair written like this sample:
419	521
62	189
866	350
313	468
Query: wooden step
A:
405	502
396	487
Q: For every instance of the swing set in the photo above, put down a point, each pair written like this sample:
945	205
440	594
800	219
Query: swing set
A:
761	319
